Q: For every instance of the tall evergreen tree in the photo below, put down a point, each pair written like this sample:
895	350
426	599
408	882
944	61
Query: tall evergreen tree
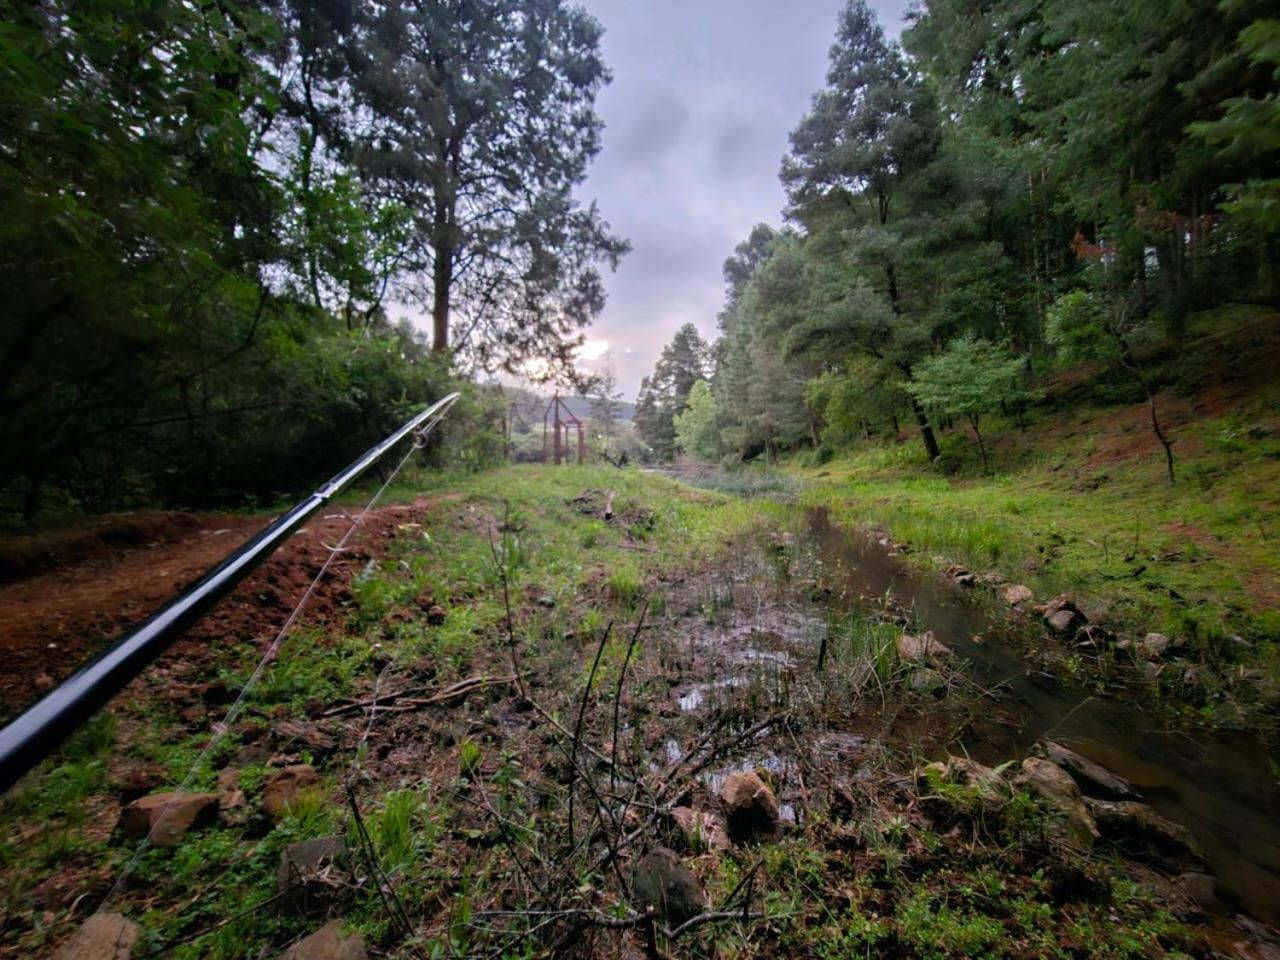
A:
483	124
872	135
663	395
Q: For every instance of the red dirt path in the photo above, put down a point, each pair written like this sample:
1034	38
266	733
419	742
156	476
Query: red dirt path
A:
53	621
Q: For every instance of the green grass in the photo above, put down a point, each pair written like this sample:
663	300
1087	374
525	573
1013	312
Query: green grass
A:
1079	504
569	574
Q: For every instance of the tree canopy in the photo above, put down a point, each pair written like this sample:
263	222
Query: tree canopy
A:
1011	185
208	215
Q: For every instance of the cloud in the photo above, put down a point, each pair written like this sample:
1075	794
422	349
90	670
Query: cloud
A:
704	96
705	93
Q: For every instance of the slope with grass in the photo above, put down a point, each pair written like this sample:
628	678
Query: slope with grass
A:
1078	503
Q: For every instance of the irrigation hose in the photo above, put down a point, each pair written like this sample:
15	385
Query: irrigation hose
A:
37	732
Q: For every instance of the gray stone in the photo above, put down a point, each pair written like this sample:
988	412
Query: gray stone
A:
1061	794
702	831
104	936
927	680
982	783
1062	617
1153	645
1141	832
1015	594
230	796
922	648
312	876
165	818
327	943
1202	890
285	787
1093	778
662	881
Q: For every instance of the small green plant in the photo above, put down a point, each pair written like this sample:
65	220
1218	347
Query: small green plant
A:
624	587
397	846
470	756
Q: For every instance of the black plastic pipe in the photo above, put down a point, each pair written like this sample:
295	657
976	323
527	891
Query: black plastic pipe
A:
34	734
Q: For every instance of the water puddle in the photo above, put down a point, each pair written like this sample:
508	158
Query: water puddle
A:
698	697
1221	787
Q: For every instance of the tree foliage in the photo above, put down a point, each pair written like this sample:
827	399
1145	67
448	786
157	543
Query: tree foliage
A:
1017	181
663	395
207	213
970	379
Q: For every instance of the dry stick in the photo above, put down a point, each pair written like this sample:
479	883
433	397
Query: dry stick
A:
617	698
577	730
601	806
391	902
596	919
508	840
452	692
503	566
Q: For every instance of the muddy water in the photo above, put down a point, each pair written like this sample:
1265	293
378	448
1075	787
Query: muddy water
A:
1223	789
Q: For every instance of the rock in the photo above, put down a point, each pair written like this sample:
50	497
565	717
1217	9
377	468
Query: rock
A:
327	943
1202	890
916	649
1093	778
750	806
662	881
295	734
702	831
1062	617
311	876
139	780
1015	594
961	576
104	936
1061	794
1141	832
927	680
230	796
166	817
284	788
982	784
1152	646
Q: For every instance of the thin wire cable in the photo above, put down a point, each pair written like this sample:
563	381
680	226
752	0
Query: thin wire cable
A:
219	730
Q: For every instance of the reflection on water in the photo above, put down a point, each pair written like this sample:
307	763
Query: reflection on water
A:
1222	788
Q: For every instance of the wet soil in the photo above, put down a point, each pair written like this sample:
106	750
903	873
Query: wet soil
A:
1222	788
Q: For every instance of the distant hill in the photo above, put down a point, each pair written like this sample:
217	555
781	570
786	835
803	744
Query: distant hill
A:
578	406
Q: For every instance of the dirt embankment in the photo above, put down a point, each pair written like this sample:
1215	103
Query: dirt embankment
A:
63	597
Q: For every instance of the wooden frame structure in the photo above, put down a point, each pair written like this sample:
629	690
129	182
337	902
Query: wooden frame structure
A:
557	420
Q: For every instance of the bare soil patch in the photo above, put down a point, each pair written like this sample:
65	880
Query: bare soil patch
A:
53	621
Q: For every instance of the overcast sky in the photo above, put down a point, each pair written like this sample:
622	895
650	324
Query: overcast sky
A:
704	94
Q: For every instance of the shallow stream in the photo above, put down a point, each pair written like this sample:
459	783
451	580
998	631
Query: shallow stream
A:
1222	788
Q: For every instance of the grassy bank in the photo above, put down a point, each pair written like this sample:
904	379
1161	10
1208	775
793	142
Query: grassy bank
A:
1078	504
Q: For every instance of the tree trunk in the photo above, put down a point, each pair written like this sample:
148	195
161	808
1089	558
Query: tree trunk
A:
1171	258
926	431
1128	361
442	280
982	447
